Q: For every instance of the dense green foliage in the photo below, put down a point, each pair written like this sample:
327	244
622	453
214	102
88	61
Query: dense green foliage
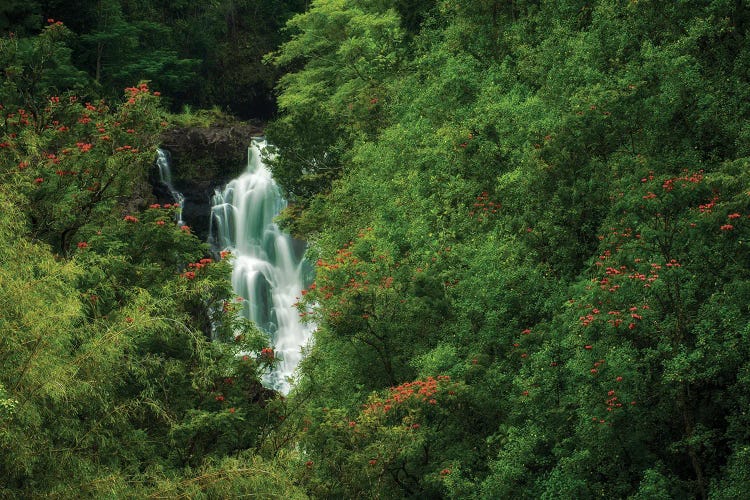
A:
196	53
530	220
110	385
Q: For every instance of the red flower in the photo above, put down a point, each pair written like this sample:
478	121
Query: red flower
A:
82	244
588	347
727	227
128	320
38	180
445	472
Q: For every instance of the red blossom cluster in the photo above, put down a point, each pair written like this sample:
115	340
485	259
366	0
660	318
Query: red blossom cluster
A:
683	181
134	92
612	403
595	369
130	218
588	319
731	217
706	208
166	205
483	207
267	353
421	391
197	266
140	89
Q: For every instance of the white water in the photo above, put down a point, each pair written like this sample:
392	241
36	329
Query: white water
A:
268	270
165	176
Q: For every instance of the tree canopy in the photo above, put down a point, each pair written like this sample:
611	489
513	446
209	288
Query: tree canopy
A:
528	221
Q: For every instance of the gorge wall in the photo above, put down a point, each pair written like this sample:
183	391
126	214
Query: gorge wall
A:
203	158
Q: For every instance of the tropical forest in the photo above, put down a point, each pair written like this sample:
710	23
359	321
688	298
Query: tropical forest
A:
375	249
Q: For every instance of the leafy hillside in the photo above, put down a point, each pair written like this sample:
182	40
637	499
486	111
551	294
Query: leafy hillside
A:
109	383
529	222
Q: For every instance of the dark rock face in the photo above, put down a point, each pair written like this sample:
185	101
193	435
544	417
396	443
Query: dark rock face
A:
203	159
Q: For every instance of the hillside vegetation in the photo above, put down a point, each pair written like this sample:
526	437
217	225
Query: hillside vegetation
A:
529	221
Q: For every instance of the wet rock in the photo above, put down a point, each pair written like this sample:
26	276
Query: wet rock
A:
204	158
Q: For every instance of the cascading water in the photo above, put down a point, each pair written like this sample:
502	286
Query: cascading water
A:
165	177
268	269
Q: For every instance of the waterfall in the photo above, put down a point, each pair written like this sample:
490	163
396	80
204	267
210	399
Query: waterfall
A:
165	177
268	269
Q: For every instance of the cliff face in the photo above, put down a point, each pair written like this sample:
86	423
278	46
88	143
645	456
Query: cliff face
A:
204	158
